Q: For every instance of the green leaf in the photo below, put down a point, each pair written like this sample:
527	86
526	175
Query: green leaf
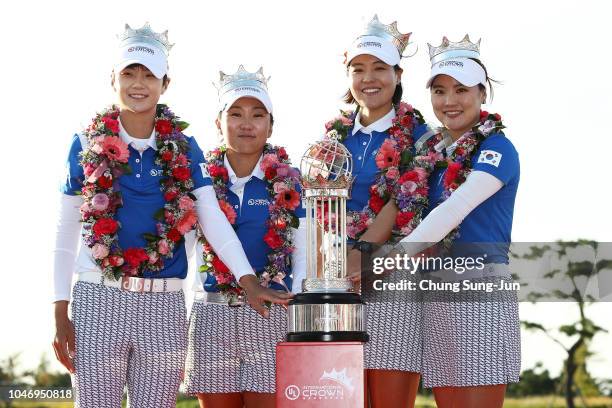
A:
150	237
159	214
569	330
405	158
294	222
182	124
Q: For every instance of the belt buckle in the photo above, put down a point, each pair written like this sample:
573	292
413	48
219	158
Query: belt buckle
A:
135	284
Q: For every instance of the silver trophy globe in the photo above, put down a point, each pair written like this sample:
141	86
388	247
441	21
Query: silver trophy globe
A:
328	309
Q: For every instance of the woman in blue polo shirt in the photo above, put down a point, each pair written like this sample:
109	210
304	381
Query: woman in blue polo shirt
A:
134	188
381	135
231	357
471	339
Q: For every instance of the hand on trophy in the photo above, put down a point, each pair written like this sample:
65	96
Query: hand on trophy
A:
353	267
259	297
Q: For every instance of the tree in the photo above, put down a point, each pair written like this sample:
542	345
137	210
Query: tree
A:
576	274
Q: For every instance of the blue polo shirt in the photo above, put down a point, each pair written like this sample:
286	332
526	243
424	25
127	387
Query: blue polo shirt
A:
142	197
364	147
489	224
250	226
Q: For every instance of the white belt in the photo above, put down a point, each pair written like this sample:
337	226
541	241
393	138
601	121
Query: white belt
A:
132	284
218	298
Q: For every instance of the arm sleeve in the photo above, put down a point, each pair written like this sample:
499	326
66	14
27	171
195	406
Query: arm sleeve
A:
444	218
298	257
66	243
219	232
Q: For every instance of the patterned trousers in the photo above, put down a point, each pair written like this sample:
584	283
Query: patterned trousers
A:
138	339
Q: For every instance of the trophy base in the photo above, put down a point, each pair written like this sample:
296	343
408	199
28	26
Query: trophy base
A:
362	337
316	317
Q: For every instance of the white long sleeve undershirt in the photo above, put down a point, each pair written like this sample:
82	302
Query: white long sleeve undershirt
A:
478	187
217	230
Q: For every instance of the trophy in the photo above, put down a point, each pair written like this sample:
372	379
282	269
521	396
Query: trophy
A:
328	309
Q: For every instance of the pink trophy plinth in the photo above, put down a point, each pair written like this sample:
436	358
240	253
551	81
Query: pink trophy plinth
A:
319	374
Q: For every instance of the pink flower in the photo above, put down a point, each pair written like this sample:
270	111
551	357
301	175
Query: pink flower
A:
269	160
280	187
346	121
421	172
163	247
228	210
185	203
153	257
88	169
115	149
282	170
99	202
387	156
392	173
409	187
185	224
99	251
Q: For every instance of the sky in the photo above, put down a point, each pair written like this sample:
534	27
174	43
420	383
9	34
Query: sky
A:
551	59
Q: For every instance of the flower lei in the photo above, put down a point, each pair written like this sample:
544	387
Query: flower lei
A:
398	178
281	181
104	161
459	163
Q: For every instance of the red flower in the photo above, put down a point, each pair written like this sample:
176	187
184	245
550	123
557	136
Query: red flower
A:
181	173
288	199
167	155
270	173
460	151
497	116
115	260
163	126
404	218
170	195
105	226
135	256
105	182
111	124
280	223
173	235
406	121
395	131
282	153
483	114
409	176
272	239
218	171
376	203
219	265
451	173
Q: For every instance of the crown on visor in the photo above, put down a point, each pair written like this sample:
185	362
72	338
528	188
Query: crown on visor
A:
389	32
242	77
448	49
146	35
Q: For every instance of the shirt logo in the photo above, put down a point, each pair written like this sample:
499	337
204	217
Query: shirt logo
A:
156	173
260	201
490	157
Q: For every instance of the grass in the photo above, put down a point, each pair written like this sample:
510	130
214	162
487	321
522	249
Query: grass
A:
422	402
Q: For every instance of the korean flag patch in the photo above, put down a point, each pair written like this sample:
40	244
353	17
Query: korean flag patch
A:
204	170
490	157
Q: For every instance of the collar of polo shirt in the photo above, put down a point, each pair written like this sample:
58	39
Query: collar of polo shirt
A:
257	172
130	140
381	125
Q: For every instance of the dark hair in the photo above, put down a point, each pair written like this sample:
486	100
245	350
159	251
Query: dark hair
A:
397	95
271	118
165	79
488	79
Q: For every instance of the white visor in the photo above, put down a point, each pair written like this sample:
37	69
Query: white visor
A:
466	71
379	47
142	53
245	91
